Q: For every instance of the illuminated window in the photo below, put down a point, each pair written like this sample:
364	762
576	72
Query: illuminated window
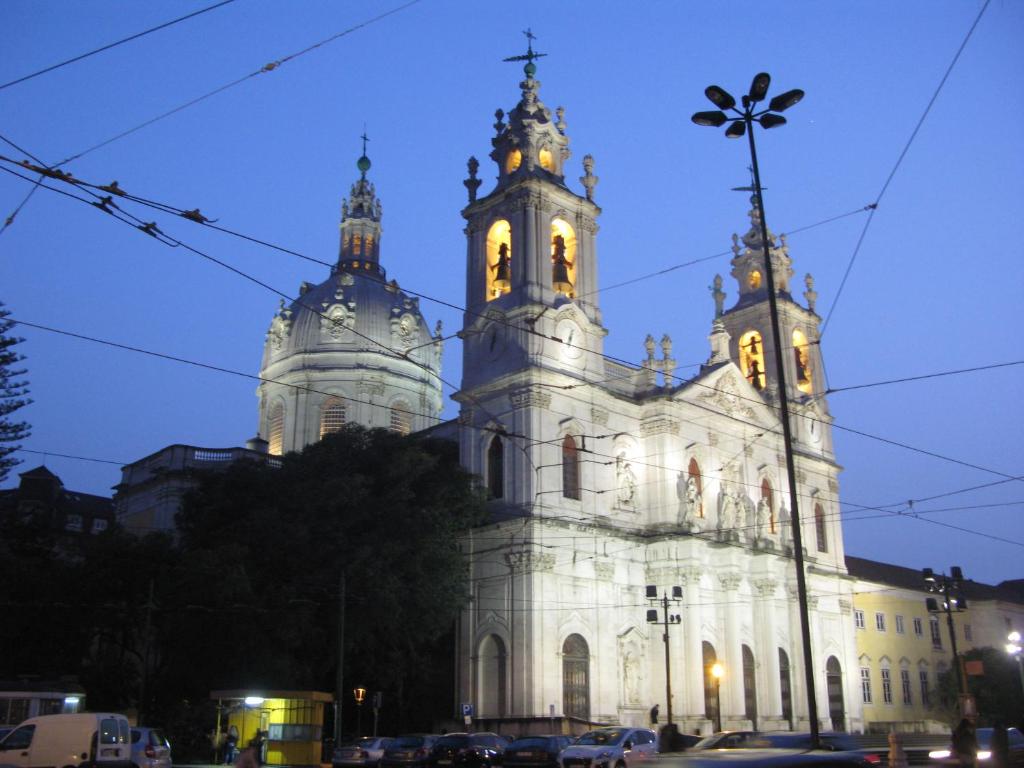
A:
368	250
275	429
401	419
496	468
766	494
563	257
547	161
752	358
819	528
754	280
357	244
802	358
570	468
513	160
332	416
693	471
499	259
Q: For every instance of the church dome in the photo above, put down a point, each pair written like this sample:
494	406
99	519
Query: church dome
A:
352	349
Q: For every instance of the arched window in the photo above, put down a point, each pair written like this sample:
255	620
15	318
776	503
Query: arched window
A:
496	468
570	468
752	358
576	678
749	687
834	682
499	259
693	471
786	688
513	160
401	418
357	244
547	160
563	257
711	697
754	279
802	359
767	496
275	429
819	528
332	416
493	672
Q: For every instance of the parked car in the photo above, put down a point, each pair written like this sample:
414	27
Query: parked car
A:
726	740
831	741
409	751
616	747
150	749
95	739
364	752
535	751
1014	738
765	757
473	750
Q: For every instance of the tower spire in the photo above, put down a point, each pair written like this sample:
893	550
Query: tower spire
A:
360	219
530	69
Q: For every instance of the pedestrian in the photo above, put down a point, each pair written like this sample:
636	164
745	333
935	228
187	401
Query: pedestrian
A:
230	745
654	715
965	743
247	758
1000	745
260	743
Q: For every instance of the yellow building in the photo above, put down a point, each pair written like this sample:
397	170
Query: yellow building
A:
902	648
291	721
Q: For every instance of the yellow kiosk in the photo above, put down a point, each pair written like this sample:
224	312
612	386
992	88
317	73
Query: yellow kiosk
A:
290	722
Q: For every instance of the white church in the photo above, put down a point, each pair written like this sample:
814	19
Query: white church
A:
604	479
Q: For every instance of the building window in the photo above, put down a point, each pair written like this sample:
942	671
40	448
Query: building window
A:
880	622
858	618
332	416
749	685
99	525
563	258
936	633
802	358
923	677
570	468
711	691
401	419
576	678
900	629
493	669
918	627
865	684
74	523
496	468
275	429
499	259
886	686
968	634
905	683
819	528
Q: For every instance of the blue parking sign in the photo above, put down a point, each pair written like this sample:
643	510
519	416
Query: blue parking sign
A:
467	710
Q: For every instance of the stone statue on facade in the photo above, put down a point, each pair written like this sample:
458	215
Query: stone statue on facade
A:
625	482
631	677
728	510
718	295
763	522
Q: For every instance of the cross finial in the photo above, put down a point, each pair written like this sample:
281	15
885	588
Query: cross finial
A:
365	138
364	162
530	54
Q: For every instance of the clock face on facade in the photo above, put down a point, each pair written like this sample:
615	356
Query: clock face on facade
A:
572	339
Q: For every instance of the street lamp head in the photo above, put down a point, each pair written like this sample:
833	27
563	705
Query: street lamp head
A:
652	616
652	592
720	97
677	593
736	130
771	121
713	119
717	671
360	695
956	574
784	101
759	87
929	575
1014	637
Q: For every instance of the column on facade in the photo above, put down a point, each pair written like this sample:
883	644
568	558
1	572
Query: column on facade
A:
820	680
732	690
797	665
693	663
771	698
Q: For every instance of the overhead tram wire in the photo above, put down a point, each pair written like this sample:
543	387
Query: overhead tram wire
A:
833	390
115	44
896	166
176	243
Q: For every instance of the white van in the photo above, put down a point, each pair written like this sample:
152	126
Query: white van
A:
83	740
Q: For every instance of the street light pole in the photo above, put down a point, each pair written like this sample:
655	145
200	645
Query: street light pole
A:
667	621
744	123
949	588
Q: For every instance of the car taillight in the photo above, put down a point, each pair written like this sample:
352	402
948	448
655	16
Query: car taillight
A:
150	752
873	759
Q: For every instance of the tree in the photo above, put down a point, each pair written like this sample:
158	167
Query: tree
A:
997	691
13	393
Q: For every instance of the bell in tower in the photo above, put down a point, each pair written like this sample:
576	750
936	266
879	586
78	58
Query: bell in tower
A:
560	281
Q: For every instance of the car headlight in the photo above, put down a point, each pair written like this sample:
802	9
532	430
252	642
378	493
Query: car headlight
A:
939	754
984	754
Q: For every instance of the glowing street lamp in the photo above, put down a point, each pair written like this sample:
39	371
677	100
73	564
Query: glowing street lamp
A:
718	672
741	122
360	697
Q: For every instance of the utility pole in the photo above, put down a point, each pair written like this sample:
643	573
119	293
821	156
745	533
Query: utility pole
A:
952	601
666	621
339	682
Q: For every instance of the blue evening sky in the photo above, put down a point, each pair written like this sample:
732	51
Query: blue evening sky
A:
936	286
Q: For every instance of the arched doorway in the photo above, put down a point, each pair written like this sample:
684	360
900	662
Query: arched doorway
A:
786	688
836	708
492	664
749	687
576	678
712	709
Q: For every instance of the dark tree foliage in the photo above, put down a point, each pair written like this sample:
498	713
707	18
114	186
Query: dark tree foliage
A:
13	395
997	692
266	549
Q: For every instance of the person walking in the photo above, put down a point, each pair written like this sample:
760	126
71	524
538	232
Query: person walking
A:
965	744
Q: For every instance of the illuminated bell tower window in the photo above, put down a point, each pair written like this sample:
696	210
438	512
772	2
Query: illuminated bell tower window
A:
357	245
752	358
563	258
513	160
547	160
332	416
754	280
802	359
499	259
275	430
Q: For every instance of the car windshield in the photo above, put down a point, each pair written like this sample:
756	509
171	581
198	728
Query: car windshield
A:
534	742
408	742
453	741
609	736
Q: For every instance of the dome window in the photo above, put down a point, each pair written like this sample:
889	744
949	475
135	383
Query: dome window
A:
401	419
275	429
332	416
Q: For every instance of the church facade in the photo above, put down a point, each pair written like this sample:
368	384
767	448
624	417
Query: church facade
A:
607	482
